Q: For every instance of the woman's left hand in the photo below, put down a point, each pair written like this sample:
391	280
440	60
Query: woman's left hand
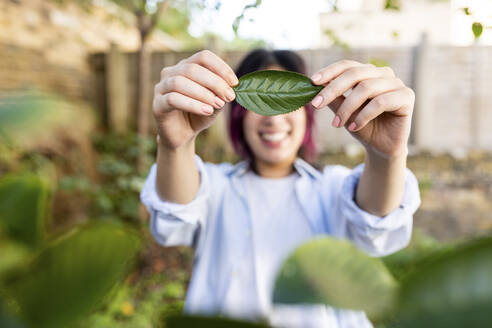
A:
378	111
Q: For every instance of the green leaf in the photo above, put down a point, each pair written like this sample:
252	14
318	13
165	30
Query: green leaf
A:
23	201
378	62
12	256
477	29
7	321
24	112
410	258
183	321
452	290
272	92
335	272
73	274
392	5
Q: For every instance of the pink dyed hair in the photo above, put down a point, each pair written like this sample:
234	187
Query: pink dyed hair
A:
257	60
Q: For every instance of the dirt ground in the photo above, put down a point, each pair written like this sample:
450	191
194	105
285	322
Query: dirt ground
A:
456	193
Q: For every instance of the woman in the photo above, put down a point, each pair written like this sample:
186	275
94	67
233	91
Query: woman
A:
243	220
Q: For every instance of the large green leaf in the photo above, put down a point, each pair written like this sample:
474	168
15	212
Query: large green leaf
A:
405	261
273	92
73	274
7	321
335	272
29	119
452	290
23	208
183	321
12	256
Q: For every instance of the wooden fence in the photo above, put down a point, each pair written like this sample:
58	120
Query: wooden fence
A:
453	110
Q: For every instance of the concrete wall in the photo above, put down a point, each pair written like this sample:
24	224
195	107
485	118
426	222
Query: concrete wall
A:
371	25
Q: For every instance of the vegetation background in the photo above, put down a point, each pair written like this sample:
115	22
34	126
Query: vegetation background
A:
87	169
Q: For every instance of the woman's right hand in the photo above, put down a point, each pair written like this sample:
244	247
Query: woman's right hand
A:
185	98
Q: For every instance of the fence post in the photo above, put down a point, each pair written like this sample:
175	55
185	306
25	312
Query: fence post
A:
423	119
475	110
117	88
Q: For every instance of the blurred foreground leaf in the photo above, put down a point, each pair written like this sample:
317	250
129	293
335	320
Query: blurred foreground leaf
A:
335	272
12	256
7	321
411	257
23	212
452	290
32	118
24	112
209	322
73	274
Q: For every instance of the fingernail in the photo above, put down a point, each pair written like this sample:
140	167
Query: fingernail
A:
352	126
317	101
336	121
207	109
316	77
230	95
219	102
234	80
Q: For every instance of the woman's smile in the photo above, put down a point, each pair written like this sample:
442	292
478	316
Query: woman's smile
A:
274	139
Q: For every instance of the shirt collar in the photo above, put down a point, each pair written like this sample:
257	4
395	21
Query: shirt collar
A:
301	166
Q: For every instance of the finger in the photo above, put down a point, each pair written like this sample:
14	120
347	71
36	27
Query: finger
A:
347	80
387	102
335	104
208	59
174	100
188	88
332	71
206	78
363	91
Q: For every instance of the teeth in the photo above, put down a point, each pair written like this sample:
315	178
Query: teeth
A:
274	136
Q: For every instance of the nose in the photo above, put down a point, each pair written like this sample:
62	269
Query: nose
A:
273	120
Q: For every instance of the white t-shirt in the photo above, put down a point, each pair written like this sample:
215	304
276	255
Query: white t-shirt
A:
275	211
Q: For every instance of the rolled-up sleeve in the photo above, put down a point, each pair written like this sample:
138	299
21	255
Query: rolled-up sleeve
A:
376	235
173	224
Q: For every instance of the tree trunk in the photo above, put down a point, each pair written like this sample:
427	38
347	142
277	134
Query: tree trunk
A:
143	88
144	61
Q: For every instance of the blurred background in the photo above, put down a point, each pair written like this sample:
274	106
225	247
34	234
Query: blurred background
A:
76	86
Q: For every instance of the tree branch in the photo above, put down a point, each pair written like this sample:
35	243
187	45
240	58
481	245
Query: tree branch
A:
161	9
133	7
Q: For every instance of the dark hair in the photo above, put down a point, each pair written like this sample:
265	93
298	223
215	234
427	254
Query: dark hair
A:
260	59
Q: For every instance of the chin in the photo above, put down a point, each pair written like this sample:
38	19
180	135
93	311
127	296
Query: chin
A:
272	158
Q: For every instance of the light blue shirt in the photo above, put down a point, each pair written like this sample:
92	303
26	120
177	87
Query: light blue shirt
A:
218	225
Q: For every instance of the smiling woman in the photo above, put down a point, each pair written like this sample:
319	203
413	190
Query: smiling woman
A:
275	139
243	220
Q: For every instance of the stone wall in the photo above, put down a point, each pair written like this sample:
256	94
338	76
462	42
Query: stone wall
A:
23	69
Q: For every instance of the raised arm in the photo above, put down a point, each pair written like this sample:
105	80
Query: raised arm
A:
381	185
378	113
184	103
